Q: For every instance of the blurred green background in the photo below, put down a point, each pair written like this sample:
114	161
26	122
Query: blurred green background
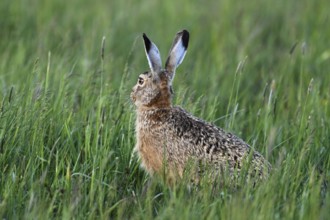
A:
257	68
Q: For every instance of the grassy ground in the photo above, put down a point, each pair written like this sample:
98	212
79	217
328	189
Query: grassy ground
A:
67	125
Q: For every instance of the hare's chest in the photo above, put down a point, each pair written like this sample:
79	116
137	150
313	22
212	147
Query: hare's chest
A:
149	153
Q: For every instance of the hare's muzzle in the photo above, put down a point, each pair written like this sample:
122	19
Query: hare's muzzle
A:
133	97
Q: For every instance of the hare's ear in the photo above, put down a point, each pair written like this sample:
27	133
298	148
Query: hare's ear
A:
152	52
177	52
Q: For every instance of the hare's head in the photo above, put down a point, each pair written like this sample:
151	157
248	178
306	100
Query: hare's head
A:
154	87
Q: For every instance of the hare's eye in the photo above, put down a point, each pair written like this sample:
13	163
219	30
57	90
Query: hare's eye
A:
140	81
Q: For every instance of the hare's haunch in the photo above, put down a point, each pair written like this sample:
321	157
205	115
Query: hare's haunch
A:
169	138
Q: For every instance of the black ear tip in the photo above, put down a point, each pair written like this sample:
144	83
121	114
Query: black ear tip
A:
185	32
185	38
147	42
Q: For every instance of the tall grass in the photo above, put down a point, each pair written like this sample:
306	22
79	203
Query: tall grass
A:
67	125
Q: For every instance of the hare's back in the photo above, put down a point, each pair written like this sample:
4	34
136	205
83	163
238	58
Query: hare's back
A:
203	135
203	140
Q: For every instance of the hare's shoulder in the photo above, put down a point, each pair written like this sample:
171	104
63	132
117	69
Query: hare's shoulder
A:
203	133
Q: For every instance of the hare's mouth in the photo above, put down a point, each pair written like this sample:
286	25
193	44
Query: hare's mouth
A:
133	97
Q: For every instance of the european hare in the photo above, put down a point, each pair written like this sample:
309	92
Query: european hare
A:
169	137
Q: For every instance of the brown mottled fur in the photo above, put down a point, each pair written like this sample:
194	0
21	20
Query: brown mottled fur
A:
169	137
